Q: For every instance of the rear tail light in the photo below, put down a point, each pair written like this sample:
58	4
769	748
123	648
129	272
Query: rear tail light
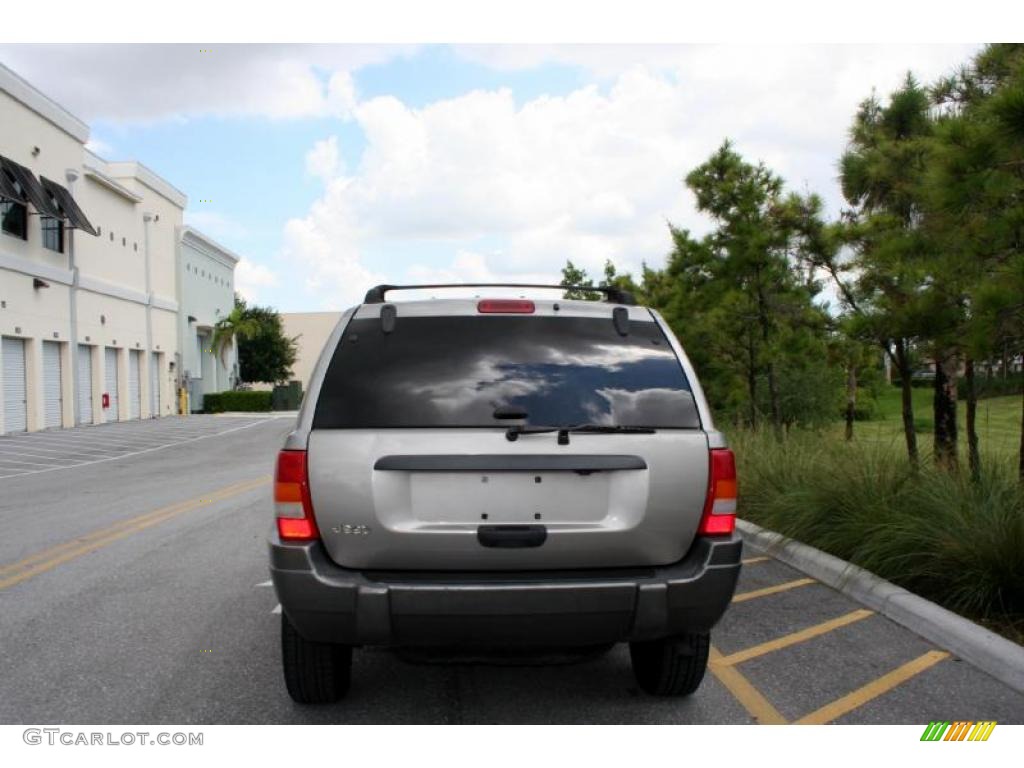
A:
720	507
292	503
505	306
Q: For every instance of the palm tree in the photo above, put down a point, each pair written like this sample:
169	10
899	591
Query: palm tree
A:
228	329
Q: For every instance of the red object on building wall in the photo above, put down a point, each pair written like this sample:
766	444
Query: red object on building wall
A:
106	400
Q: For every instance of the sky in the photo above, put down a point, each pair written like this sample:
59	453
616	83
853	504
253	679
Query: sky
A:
330	169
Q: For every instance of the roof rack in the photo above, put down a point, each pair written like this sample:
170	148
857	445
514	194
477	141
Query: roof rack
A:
612	294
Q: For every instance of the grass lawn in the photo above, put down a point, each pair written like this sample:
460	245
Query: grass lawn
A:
999	423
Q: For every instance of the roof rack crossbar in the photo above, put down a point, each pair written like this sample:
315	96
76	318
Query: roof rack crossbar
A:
612	293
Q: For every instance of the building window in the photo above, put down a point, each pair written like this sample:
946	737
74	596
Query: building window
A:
53	233
15	218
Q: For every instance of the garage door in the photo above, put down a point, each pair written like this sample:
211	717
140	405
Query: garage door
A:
15	406
53	403
154	385
110	382
134	388
84	384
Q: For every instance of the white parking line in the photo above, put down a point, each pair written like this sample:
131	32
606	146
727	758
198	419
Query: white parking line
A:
33	454
144	450
277	608
265	584
29	464
17	448
70	441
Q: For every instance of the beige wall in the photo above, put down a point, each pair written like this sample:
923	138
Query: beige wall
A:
312	328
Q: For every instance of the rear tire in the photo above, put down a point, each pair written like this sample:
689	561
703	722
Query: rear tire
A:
674	666
314	673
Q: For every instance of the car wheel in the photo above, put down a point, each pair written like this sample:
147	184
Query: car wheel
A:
670	667
314	673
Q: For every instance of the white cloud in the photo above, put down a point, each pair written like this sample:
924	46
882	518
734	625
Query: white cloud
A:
323	159
591	175
99	147
153	82
473	267
341	95
323	246
251	279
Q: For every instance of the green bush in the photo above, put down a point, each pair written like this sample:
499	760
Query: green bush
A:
996	386
955	542
219	402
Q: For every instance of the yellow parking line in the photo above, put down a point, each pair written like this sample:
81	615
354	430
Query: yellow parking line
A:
47	559
746	694
87	538
752	560
796	637
872	690
744	596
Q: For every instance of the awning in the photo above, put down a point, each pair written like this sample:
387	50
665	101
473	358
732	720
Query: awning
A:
75	216
8	190
34	192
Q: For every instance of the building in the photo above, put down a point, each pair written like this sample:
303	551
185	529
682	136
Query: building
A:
90	285
206	295
310	331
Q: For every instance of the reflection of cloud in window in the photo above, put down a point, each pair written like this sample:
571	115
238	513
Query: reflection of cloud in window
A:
612	357
488	382
648	407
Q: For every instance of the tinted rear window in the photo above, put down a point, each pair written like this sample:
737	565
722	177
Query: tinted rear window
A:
454	371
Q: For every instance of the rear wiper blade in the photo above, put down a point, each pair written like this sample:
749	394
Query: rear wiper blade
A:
612	428
513	432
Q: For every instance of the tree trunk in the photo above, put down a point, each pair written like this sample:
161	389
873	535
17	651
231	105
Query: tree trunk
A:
773	398
1020	462
773	393
752	382
851	399
907	398
973	457
944	409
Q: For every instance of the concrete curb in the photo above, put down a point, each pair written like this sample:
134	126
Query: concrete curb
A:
996	655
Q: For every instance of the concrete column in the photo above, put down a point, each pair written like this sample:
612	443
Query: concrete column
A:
69	397
34	384
122	384
71	175
98	378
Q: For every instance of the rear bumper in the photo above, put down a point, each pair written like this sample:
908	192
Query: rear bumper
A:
329	603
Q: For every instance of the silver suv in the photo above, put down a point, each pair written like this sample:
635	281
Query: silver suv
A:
502	474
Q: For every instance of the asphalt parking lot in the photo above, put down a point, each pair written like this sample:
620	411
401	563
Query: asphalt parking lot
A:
34	452
134	589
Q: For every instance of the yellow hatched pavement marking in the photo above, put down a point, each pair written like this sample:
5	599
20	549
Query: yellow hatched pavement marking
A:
795	637
47	559
744	596
874	689
752	560
744	692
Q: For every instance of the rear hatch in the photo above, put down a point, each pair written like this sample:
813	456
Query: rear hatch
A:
411	465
